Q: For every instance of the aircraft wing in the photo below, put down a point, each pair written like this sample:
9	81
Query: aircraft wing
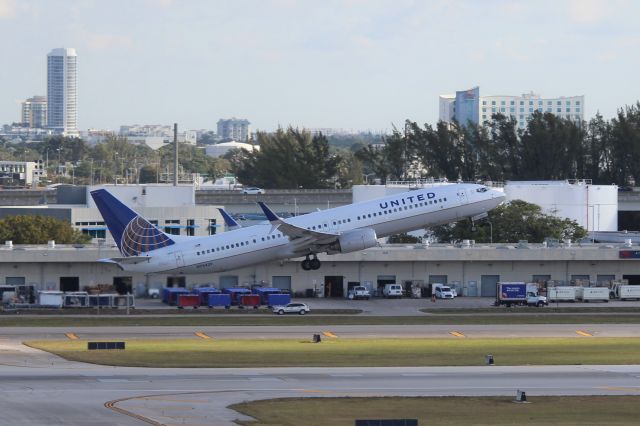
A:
295	232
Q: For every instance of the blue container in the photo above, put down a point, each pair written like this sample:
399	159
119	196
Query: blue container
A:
264	293
235	293
218	299
204	293
170	294
279	299
100	300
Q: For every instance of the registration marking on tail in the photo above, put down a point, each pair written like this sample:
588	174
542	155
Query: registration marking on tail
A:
71	336
457	334
584	333
329	334
202	335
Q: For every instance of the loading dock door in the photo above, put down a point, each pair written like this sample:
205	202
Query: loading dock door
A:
14	281
334	286
177	282
69	284
123	285
384	279
633	279
488	284
228	281
281	282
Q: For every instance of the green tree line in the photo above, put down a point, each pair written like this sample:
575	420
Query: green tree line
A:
548	148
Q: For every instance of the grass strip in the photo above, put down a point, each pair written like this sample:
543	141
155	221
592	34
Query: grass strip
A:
317	320
446	411
353	352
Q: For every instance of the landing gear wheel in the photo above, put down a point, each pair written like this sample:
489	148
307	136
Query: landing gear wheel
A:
315	263
306	264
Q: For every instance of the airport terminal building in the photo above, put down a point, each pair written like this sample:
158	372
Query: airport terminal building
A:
472	269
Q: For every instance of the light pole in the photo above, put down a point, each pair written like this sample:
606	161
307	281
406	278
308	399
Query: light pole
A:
59	162
366	177
91	178
490	231
115	175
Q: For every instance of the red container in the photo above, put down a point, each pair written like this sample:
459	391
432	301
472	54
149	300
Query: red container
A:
250	300
185	300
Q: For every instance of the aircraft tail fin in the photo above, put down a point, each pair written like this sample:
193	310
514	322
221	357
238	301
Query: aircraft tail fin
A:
132	233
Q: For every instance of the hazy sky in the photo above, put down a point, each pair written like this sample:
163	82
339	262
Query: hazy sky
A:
358	64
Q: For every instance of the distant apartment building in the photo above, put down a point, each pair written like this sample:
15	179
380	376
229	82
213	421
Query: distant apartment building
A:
34	112
156	135
236	129
468	105
22	172
62	111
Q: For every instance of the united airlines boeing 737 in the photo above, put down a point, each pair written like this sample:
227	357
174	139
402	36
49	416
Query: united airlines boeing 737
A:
350	228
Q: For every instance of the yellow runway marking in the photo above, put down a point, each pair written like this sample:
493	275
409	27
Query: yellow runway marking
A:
202	335
584	333
329	334
620	388
457	334
71	336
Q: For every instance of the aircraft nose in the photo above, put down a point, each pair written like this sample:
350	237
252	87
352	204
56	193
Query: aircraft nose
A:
498	195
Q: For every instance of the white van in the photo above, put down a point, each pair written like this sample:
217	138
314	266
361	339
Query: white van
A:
392	290
443	291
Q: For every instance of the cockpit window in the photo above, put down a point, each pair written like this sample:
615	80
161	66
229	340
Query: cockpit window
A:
482	189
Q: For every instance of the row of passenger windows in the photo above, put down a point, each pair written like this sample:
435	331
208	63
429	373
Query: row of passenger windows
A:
275	236
407	207
335	222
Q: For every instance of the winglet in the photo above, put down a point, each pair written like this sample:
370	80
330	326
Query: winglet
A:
271	216
231	223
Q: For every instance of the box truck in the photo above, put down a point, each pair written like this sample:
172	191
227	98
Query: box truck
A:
519	293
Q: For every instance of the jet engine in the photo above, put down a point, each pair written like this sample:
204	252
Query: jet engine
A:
355	240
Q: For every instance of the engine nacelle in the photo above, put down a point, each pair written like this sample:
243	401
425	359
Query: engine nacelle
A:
355	240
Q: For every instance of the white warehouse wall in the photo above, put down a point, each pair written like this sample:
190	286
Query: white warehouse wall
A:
594	207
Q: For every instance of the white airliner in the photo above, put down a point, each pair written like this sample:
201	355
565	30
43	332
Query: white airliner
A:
350	228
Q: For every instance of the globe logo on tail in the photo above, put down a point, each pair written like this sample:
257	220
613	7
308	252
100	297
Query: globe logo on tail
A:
140	236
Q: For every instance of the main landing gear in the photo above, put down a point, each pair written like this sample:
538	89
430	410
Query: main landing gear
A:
311	264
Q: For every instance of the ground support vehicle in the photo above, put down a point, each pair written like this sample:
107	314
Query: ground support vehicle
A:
519	293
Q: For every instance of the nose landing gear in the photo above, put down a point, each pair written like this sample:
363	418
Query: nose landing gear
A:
311	264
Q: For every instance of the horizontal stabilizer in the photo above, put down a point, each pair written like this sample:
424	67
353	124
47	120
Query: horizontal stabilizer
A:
132	260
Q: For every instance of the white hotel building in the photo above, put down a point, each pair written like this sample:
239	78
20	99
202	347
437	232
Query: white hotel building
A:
519	107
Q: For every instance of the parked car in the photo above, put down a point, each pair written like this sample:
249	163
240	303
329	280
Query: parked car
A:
292	308
359	292
392	290
252	190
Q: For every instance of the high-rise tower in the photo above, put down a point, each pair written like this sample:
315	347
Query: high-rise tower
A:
62	113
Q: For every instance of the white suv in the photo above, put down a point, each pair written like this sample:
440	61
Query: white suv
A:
292	308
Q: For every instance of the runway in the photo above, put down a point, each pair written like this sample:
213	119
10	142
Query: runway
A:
346	331
38	388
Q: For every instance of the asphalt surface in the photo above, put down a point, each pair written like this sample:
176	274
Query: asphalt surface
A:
345	331
40	389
